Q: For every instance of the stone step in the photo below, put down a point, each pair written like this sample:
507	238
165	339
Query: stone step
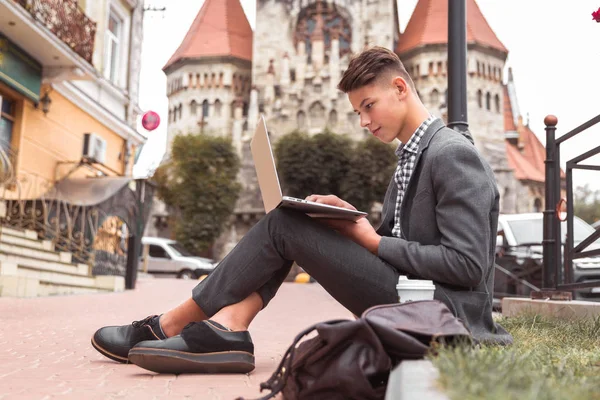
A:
37	253
23	282
45	265
26	242
45	289
56	278
25	233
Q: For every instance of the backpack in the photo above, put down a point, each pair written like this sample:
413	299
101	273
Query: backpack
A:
352	359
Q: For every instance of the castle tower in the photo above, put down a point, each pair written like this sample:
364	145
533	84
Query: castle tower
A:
423	49
209	75
301	48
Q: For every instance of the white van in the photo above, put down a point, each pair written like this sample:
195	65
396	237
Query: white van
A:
166	256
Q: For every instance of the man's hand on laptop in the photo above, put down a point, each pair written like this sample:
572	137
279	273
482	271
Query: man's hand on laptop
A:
331	200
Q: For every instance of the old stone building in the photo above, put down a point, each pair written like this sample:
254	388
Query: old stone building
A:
223	76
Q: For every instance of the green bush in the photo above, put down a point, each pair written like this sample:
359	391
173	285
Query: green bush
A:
327	163
199	183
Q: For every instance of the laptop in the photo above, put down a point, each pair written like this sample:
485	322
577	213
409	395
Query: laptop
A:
270	188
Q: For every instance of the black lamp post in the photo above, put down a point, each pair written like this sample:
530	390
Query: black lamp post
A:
457	67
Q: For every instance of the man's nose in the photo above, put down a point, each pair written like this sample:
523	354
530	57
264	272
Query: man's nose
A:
364	122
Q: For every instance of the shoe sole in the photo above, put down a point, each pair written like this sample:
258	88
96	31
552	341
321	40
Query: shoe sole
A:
179	362
106	353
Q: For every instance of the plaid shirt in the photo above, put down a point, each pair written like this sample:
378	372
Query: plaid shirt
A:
407	155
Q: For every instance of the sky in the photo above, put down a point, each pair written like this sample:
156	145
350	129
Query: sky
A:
554	51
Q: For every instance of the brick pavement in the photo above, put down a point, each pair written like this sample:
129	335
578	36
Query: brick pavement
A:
45	350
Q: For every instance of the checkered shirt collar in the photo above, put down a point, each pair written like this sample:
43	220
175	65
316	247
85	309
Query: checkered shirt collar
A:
413	143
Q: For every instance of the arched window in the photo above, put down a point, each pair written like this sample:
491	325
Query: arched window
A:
480	98
333	117
488	101
301	119
497	103
205	108
180	110
434	98
537	205
170	115
218	105
193	107
325	21
316	112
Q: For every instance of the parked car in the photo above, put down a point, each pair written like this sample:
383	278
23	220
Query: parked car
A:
519	251
596	225
166	256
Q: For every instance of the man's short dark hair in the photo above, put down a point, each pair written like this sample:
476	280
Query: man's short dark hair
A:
370	65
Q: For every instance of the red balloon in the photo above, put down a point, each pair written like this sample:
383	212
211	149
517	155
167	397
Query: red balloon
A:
150	120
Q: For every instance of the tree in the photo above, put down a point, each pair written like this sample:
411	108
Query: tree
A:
373	163
316	164
586	204
199	183
328	163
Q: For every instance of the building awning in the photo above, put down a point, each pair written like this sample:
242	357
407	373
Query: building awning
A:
87	191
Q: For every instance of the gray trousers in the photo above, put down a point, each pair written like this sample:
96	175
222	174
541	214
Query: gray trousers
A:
261	261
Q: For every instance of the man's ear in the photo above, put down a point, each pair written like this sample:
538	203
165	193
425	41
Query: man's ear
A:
401	86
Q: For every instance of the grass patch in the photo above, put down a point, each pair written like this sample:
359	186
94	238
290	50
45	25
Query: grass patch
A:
550	359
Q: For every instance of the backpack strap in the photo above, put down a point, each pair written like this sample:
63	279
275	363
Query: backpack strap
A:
277	381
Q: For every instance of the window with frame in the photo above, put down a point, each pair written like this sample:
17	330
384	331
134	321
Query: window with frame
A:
7	122
113	46
156	251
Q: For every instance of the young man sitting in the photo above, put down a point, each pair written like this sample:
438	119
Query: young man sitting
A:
439	221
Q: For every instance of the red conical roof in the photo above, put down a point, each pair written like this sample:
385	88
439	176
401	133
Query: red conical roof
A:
220	29
429	25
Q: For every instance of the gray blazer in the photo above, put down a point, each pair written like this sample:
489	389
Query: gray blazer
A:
449	221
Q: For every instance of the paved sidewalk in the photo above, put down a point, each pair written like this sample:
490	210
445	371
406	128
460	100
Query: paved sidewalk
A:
45	350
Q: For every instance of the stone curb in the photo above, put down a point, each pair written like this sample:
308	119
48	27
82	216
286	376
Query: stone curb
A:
414	380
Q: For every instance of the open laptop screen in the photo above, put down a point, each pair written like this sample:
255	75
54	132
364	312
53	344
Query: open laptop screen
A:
265	166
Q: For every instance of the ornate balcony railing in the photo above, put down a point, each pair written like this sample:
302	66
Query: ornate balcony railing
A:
67	21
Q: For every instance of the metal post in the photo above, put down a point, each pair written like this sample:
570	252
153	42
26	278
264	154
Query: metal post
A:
569	243
135	240
457	67
558	259
549	243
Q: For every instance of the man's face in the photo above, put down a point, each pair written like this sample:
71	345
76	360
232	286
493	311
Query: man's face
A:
381	109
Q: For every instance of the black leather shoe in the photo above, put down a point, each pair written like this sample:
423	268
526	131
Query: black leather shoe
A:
202	347
115	341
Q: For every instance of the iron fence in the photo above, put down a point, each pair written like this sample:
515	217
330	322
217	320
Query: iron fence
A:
556	278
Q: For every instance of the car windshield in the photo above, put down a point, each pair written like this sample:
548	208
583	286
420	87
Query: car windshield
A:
530	231
179	250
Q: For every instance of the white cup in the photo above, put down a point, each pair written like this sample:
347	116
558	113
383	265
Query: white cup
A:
414	289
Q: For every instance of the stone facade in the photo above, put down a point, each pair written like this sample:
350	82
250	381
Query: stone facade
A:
204	94
299	61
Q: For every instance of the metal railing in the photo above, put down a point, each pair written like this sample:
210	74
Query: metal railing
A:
26	205
555	278
67	21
